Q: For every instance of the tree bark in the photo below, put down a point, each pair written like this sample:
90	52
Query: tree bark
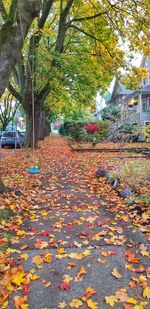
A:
12	38
42	125
2	186
32	141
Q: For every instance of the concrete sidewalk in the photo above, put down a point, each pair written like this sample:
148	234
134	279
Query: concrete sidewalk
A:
80	244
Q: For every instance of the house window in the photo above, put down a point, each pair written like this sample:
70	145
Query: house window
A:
144	104
148	105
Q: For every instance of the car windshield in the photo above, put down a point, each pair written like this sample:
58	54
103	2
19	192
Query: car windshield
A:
9	134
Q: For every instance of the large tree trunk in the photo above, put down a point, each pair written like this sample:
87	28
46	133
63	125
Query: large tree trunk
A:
42	125
12	37
32	140
2	186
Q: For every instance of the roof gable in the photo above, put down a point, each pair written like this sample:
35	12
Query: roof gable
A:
119	89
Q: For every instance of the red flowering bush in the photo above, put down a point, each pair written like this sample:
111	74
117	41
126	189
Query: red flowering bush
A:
91	128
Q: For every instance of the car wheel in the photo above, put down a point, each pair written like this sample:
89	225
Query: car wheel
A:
2	146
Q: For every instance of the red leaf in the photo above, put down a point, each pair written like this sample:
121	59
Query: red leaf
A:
65	286
25	290
44	233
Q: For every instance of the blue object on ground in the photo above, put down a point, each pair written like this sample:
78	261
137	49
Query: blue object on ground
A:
34	170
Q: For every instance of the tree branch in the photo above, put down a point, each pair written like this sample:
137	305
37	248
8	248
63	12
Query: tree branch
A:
93	37
45	12
85	18
2	9
44	93
14	92
62	27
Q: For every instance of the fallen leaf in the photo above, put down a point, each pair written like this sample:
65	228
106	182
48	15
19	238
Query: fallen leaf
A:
131	300
91	304
24	256
75	303
62	305
88	293
116	273
37	260
65	286
18	278
111	300
146	292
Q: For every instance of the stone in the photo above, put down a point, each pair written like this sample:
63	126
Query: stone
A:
116	184
126	192
101	173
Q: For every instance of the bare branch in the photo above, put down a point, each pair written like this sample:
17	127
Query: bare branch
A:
85	18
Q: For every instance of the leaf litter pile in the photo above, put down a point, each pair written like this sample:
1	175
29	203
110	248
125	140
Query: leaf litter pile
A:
67	240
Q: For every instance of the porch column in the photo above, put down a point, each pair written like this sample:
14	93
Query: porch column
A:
140	106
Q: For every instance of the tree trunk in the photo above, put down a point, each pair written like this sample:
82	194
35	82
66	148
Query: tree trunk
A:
12	38
32	141
2	186
42	126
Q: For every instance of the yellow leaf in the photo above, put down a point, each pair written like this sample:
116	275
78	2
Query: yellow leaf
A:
62	305
24	256
60	250
37	260
91	304
87	252
111	300
146	292
144	253
116	273
76	303
24	306
141	305
18	278
10	250
129	267
12	207
47	258
35	277
21	233
5	305
46	284
131	300
3	222
81	272
67	278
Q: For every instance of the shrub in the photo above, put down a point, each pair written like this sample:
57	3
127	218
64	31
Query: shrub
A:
103	128
62	130
144	199
127	133
79	131
146	132
91	128
135	174
111	113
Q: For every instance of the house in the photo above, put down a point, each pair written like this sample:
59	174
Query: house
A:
134	105
119	93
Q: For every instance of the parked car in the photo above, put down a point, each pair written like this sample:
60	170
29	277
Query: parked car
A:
12	138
